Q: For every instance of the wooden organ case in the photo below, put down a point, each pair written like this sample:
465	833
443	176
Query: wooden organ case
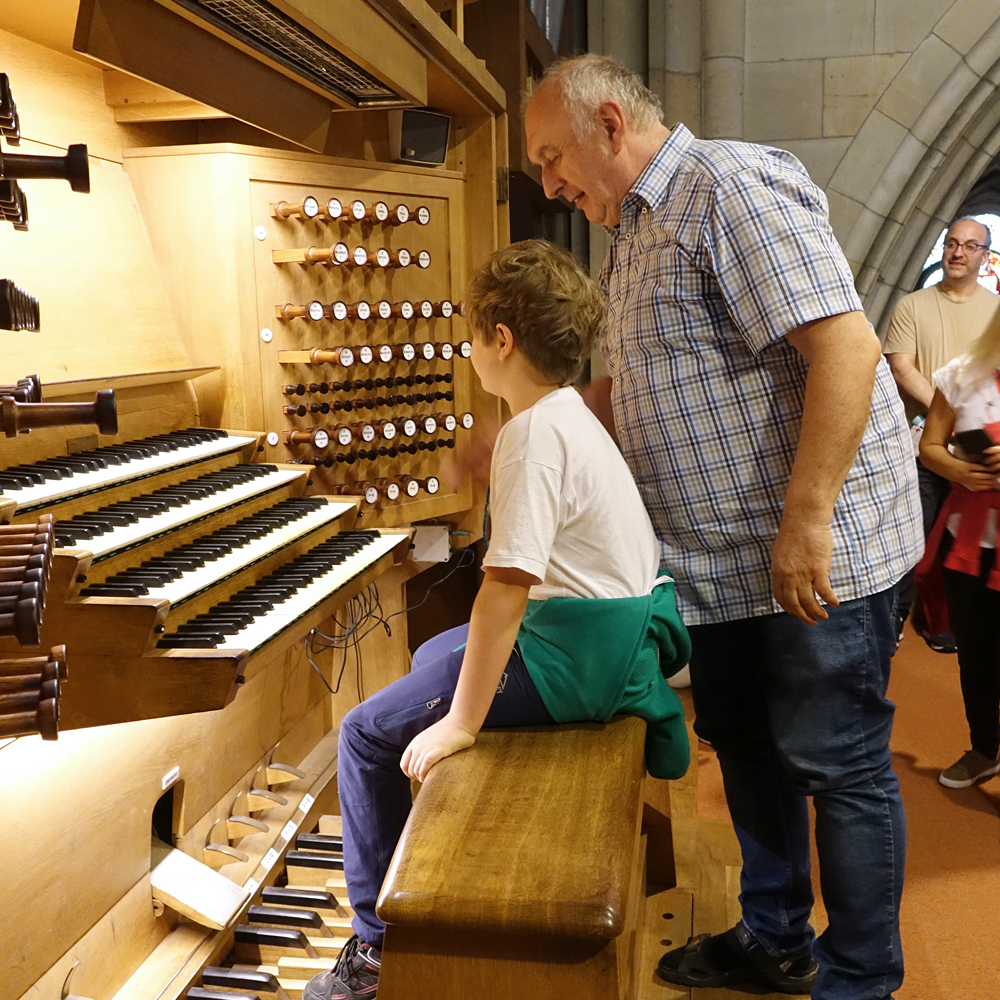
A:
198	741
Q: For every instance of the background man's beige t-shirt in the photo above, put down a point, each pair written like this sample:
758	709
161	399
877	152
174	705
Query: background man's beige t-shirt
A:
931	326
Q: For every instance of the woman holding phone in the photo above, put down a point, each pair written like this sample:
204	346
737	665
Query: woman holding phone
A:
965	413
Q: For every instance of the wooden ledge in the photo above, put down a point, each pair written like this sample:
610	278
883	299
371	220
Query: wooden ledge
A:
530	831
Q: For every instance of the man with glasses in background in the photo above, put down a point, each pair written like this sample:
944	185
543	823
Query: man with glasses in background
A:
928	329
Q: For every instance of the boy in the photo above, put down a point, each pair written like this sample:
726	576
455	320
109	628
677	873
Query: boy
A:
570	623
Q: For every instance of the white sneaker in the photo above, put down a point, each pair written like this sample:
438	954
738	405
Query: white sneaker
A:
971	767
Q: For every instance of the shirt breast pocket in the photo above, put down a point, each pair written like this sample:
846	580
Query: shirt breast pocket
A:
670	298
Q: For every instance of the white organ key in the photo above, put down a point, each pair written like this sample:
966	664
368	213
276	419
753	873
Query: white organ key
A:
285	614
85	482
196	580
124	535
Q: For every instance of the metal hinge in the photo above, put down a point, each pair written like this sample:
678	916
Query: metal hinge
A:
503	185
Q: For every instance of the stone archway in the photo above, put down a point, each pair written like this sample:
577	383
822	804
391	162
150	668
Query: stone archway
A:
903	184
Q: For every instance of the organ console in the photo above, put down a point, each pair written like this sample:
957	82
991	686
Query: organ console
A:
233	504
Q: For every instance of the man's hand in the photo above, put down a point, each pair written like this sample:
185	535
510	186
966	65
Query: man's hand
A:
800	568
435	743
843	354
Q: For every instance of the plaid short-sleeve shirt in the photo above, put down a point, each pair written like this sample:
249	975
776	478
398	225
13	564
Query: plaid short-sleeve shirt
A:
722	249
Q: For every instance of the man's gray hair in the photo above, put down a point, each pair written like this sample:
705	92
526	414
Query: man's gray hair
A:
587	81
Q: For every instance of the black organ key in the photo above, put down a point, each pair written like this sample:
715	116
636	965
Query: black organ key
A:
316	899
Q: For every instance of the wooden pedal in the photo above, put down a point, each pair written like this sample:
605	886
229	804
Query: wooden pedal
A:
244	981
313	899
201	993
328	948
292	986
294	967
276	773
331	825
315	868
218	851
255	944
279	916
323	842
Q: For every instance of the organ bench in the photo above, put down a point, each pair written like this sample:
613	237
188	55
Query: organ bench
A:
522	870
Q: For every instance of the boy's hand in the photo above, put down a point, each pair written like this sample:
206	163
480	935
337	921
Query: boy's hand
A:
435	743
473	462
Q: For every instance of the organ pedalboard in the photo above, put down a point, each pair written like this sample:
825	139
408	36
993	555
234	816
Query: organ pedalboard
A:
373	378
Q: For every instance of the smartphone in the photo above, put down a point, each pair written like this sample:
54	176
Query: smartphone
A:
974	443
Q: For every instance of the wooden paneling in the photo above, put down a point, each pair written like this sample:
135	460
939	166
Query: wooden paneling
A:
93	278
234	187
145	39
60	98
136	100
507	36
419	22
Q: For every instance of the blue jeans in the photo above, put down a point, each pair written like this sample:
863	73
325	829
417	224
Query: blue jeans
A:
794	711
374	792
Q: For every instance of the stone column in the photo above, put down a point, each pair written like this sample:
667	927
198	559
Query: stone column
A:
723	34
617	28
675	60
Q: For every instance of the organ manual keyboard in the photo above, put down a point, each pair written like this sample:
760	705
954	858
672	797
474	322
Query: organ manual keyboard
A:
203	572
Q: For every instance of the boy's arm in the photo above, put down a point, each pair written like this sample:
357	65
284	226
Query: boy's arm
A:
496	617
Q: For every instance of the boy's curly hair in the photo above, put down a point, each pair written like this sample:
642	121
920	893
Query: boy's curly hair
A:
550	304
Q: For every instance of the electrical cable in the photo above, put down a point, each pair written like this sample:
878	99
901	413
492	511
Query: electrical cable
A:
362	615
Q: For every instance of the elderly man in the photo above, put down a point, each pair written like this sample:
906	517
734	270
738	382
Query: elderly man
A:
770	445
928	329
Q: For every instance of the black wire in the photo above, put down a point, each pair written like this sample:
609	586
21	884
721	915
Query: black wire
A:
365	609
460	564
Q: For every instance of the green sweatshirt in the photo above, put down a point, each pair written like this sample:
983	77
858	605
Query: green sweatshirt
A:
592	658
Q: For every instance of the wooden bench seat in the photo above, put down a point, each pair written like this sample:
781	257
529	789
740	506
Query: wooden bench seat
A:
521	869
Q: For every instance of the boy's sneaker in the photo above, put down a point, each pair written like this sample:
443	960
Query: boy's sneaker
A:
354	975
971	767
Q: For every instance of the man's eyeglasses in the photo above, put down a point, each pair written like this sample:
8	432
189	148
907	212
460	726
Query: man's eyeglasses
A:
970	247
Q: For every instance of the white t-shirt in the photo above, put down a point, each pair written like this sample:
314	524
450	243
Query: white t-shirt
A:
975	399
565	508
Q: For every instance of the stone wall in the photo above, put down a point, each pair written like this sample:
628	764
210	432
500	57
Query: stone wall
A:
892	105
